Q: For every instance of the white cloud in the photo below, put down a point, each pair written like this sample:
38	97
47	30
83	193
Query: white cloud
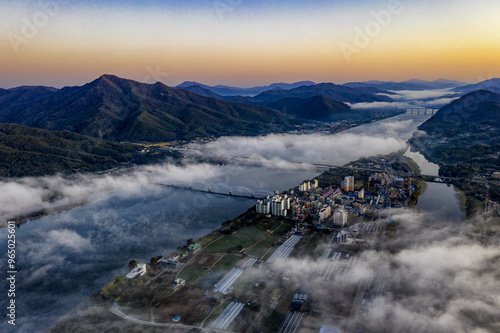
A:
68	238
411	95
380	105
30	194
438	280
280	150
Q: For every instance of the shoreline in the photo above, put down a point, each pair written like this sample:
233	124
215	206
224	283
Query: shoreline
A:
31	215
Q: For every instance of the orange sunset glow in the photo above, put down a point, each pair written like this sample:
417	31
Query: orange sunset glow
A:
249	44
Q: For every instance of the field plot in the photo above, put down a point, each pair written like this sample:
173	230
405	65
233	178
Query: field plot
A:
204	260
192	309
261	247
241	239
193	275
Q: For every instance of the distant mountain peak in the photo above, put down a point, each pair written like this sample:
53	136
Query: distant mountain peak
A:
189	84
109	77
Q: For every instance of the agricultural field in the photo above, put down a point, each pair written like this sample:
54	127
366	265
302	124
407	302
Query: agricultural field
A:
237	241
263	246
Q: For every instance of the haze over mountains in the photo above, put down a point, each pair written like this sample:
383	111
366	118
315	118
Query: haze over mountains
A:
235	91
324	101
413	84
331	90
352	93
377	87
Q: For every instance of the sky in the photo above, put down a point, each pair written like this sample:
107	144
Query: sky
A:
247	43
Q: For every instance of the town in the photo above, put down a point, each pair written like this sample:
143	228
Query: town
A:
241	277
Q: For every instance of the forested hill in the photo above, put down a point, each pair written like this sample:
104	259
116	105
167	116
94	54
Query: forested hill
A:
28	151
471	113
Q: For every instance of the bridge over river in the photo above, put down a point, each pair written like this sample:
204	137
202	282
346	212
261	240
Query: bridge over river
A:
418	111
222	189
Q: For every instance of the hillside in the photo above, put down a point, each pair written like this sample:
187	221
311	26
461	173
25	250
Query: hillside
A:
199	90
319	107
464	136
32	152
492	85
336	92
315	108
471	112
124	110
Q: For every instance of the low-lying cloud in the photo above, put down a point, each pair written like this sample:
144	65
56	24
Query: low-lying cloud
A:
30	194
413	95
295	151
381	105
435	280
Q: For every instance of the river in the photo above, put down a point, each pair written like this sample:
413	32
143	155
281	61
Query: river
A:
63	258
439	199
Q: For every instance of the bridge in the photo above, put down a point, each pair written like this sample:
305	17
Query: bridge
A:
421	111
222	189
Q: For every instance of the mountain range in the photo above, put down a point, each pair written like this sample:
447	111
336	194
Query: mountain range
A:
118	109
414	84
338	92
492	85
236	91
45	130
322	102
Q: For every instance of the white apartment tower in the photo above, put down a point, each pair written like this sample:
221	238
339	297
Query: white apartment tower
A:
305	186
280	205
340	218
263	206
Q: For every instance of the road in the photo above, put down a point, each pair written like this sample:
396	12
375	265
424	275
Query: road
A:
116	311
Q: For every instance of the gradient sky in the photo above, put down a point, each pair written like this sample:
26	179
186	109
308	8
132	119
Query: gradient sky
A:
245	42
